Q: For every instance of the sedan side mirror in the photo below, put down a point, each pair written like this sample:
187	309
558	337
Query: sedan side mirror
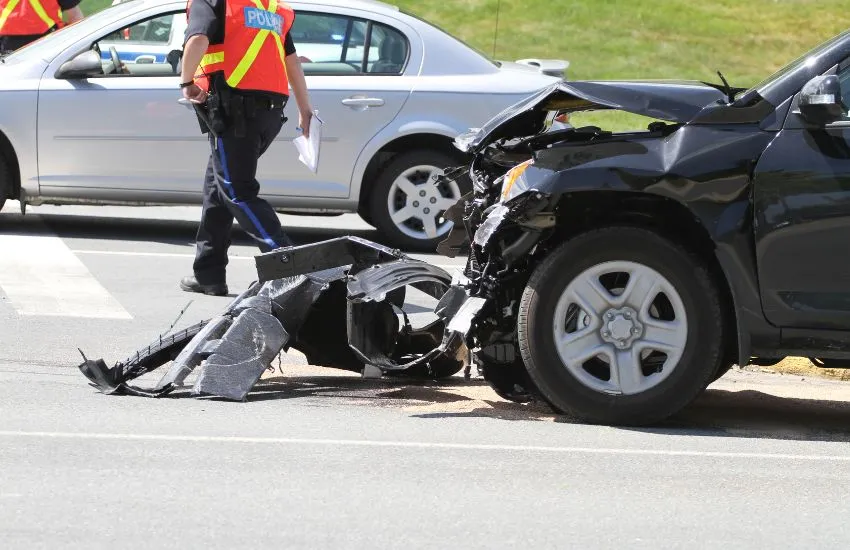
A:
83	65
820	100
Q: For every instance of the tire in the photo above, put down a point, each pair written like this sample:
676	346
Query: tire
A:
687	307
5	181
412	170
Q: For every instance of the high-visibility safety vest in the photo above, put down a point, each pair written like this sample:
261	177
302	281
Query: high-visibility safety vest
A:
28	17
252	56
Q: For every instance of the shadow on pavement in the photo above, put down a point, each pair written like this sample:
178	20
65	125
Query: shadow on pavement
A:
756	414
717	413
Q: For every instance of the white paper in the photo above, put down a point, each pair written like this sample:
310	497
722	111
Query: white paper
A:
308	148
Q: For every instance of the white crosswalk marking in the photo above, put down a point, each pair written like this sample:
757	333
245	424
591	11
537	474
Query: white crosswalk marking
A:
41	276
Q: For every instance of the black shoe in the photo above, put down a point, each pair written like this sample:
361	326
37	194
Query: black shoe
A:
190	284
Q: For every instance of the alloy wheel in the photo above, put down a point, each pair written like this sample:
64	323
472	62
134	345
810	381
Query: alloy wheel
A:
620	328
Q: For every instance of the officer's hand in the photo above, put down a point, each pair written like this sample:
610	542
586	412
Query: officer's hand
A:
304	119
195	93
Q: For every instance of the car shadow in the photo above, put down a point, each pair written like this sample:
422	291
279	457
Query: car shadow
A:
717	413
163	231
755	414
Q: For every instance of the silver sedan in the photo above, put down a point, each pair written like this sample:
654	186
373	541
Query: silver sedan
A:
90	114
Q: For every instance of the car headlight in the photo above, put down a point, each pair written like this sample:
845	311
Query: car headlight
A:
514	182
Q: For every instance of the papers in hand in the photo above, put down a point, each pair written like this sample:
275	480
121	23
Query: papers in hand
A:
308	148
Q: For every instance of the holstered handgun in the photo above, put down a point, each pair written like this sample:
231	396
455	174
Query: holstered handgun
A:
216	114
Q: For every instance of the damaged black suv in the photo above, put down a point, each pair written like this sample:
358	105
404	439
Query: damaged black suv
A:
633	269
612	275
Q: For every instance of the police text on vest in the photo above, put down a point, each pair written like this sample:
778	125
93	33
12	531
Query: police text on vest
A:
256	18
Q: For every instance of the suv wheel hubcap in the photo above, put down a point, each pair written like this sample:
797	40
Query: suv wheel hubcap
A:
620	328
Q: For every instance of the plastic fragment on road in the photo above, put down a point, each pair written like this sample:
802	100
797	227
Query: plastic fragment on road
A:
335	301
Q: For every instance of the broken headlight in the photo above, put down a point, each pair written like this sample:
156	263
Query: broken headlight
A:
493	221
515	182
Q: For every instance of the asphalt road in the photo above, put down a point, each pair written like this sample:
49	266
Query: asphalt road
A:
319	458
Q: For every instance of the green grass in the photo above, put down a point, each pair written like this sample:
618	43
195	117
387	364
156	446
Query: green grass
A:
610	39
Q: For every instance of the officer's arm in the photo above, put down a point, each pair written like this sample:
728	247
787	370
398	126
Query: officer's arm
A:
71	11
193	52
299	89
73	15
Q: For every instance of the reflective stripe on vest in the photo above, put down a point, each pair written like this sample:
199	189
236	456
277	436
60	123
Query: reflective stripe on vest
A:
28	17
252	56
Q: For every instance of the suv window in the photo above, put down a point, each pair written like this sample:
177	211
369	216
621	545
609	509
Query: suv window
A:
335	45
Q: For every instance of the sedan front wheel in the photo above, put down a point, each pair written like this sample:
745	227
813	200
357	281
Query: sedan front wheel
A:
408	203
620	326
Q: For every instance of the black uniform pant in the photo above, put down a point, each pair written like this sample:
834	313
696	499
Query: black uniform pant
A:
230	191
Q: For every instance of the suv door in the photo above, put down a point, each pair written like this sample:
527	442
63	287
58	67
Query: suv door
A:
802	219
355	94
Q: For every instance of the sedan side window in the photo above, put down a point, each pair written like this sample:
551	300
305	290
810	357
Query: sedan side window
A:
387	50
330	44
147	48
327	44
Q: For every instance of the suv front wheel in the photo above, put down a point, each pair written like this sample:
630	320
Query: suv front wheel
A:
620	326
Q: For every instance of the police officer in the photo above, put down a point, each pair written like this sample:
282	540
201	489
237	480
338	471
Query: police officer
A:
24	21
239	62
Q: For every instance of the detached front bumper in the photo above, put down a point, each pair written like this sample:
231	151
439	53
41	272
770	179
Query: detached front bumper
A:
336	301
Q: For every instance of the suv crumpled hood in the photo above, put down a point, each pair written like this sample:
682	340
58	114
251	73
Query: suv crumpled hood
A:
670	100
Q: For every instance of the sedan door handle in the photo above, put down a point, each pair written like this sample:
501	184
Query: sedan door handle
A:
363	101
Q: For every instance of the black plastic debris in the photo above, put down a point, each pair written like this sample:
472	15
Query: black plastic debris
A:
337	301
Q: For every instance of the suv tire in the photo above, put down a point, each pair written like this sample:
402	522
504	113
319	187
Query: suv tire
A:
673	304
403	187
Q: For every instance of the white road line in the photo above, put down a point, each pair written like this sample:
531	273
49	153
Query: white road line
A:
422	444
41	276
447	267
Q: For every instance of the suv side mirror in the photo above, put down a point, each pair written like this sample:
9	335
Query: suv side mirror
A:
83	65
820	100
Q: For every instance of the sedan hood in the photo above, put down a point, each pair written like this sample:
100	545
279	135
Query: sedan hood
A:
674	101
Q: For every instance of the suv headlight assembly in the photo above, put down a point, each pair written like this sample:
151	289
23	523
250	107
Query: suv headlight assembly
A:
515	183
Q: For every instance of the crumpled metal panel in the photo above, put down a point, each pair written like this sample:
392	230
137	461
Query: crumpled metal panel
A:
241	356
